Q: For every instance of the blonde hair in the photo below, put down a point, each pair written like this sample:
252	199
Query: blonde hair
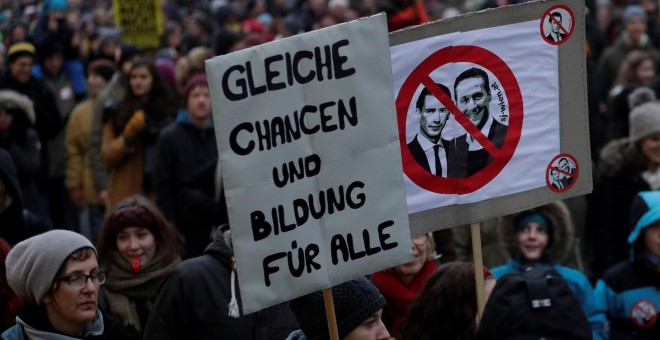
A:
189	65
430	246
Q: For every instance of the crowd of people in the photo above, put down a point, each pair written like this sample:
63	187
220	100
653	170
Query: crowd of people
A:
113	221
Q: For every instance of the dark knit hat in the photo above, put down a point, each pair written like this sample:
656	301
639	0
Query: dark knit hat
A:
49	49
103	67
354	302
644	121
293	25
197	80
20	49
131	216
128	51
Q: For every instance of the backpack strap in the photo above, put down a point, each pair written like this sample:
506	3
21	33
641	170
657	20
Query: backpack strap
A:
538	293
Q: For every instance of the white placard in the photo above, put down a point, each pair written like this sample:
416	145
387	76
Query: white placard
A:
310	158
524	59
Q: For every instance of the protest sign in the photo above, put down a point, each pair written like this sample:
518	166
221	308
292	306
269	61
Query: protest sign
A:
488	105
310	160
141	21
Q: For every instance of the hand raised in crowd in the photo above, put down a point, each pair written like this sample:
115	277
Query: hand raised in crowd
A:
135	124
77	197
103	196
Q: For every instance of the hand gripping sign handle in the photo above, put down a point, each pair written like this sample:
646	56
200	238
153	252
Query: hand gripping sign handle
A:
330	314
478	267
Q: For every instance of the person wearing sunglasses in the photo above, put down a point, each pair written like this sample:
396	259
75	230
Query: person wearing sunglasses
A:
59	271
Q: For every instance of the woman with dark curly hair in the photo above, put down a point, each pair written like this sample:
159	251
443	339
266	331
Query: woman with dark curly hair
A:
139	249
131	132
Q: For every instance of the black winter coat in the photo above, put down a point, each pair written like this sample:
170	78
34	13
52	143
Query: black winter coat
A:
183	151
48	121
613	196
16	223
193	303
182	148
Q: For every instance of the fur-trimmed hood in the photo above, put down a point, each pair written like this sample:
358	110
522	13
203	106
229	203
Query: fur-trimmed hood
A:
562	231
612	156
13	100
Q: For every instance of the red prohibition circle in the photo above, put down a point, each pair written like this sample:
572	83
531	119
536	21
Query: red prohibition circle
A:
486	59
547	15
551	167
638	306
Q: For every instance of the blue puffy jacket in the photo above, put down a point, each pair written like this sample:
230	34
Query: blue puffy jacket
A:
630	290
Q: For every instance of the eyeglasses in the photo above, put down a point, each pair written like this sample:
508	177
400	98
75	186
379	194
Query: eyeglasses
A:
79	281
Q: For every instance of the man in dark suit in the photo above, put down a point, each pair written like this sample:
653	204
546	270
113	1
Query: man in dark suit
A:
472	95
566	166
556	179
555	33
428	148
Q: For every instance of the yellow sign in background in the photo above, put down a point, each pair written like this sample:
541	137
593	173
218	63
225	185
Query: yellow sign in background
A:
141	21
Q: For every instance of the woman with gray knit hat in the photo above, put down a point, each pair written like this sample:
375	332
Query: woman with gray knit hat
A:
59	271
627	166
358	308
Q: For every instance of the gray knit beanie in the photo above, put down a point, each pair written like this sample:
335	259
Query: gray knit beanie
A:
354	302
644	121
33	263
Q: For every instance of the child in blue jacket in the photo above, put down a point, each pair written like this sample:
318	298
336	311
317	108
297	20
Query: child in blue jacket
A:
630	290
543	237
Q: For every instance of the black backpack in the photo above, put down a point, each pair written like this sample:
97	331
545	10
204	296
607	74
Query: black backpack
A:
535	304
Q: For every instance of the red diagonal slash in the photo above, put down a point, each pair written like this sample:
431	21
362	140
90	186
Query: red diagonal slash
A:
552	17
460	117
562	171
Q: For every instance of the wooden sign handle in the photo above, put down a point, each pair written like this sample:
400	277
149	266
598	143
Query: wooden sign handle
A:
330	314
478	267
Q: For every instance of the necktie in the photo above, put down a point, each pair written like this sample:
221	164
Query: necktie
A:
558	37
438	166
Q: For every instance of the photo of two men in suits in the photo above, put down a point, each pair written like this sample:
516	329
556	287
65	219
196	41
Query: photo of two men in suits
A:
462	156
563	180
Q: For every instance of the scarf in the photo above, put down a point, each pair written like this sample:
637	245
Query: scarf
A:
652	178
398	295
33	320
125	290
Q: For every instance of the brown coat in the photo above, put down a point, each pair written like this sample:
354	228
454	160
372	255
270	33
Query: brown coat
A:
126	166
76	144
